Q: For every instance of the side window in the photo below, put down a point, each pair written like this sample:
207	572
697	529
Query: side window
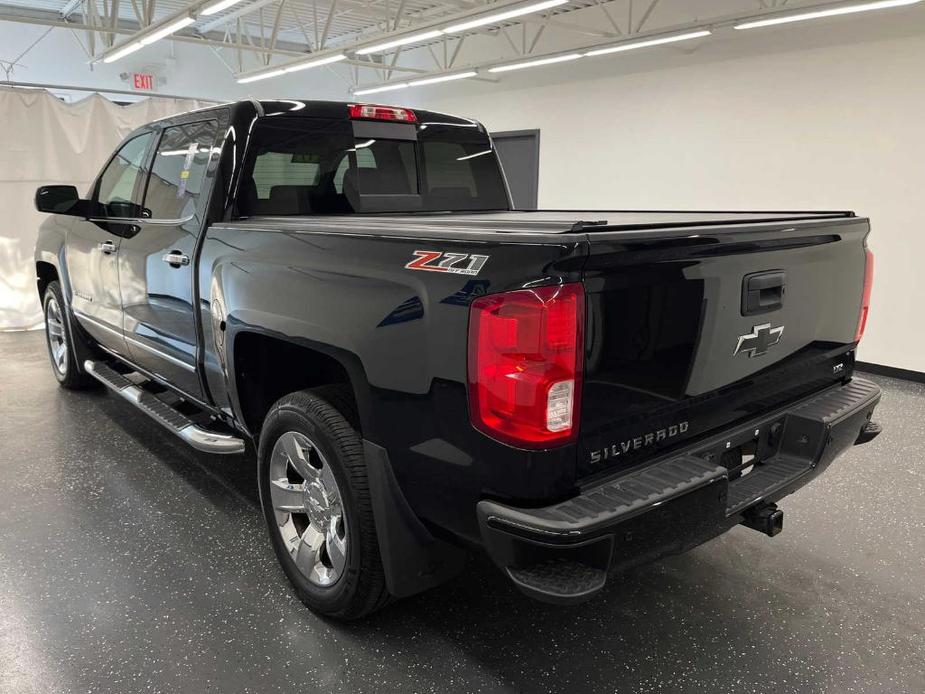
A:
178	172
117	183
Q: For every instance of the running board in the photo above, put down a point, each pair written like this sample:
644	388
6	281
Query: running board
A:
197	437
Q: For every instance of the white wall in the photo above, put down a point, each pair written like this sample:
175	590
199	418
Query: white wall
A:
750	125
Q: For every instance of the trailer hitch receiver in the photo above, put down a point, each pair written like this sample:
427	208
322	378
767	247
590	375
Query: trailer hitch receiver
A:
767	519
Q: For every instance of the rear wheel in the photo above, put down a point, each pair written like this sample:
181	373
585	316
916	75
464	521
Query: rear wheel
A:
62	350
315	497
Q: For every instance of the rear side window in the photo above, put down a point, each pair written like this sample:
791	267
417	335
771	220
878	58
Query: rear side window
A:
179	170
116	189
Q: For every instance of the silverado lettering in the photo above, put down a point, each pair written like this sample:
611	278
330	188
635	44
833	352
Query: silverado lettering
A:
638	442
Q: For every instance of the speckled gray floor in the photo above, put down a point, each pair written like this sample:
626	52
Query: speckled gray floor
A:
129	563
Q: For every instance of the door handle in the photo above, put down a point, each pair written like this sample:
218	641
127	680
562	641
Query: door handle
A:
108	247
763	292
175	258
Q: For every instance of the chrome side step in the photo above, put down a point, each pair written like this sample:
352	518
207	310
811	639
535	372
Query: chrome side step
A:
197	437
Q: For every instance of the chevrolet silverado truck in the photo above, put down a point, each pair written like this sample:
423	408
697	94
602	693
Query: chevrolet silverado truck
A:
424	371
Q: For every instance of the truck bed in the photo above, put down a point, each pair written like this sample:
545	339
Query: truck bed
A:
535	222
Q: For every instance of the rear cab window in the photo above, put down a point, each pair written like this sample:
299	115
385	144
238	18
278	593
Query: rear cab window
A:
308	166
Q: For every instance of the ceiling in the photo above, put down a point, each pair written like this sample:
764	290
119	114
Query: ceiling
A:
256	35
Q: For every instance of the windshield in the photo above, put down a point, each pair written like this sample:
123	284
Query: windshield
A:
308	166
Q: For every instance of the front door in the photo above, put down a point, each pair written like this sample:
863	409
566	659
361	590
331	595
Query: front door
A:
156	265
93	244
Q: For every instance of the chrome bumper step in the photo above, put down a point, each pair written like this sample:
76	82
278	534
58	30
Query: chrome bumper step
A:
196	436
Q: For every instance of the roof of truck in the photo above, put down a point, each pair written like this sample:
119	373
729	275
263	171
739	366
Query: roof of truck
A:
312	108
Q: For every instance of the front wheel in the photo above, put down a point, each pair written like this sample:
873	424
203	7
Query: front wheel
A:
62	350
315	498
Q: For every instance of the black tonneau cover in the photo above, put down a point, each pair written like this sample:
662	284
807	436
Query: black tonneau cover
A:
543	221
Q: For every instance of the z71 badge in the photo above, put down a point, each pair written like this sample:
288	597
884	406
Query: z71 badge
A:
440	261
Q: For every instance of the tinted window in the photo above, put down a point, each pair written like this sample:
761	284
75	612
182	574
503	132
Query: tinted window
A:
317	166
293	167
460	171
117	183
284	169
179	170
383	167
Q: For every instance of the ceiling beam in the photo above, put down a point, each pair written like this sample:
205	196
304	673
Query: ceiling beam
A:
721	23
70	8
53	19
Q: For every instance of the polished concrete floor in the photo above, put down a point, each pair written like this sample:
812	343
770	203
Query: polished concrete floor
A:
130	563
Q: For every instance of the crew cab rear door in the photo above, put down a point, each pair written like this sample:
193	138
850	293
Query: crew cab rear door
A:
157	263
689	332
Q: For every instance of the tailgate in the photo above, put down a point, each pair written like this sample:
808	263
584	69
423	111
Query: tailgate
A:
690	332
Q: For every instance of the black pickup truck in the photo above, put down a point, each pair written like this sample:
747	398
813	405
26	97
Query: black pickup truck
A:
424	370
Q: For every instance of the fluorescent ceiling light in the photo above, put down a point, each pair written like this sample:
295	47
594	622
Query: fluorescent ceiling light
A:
261	76
414	38
830	12
122	52
535	63
386	88
219	6
445	78
315	63
501	16
651	42
166	30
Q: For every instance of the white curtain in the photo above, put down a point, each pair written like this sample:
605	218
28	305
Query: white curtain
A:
46	141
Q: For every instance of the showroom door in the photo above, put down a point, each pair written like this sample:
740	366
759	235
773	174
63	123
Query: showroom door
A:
93	244
156	265
519	151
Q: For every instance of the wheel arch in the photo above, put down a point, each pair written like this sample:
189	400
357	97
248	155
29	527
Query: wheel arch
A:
263	367
45	274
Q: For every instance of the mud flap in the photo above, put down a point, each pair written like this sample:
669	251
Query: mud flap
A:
412	558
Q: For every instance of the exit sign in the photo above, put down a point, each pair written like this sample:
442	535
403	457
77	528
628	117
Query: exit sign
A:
143	81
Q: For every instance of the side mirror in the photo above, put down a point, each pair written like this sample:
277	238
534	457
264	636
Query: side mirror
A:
60	200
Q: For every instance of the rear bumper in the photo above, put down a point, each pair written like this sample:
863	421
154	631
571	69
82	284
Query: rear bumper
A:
564	552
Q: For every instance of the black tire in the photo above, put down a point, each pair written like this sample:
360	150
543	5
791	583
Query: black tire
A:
69	371
361	588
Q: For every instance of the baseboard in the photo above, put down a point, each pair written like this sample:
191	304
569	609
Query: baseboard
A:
891	371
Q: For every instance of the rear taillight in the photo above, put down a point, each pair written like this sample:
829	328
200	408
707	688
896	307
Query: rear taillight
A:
525	362
865	297
376	112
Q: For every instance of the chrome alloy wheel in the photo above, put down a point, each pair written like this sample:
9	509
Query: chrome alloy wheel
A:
54	331
308	508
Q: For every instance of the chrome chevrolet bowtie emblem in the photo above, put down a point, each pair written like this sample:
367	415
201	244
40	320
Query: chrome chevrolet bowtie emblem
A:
759	341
